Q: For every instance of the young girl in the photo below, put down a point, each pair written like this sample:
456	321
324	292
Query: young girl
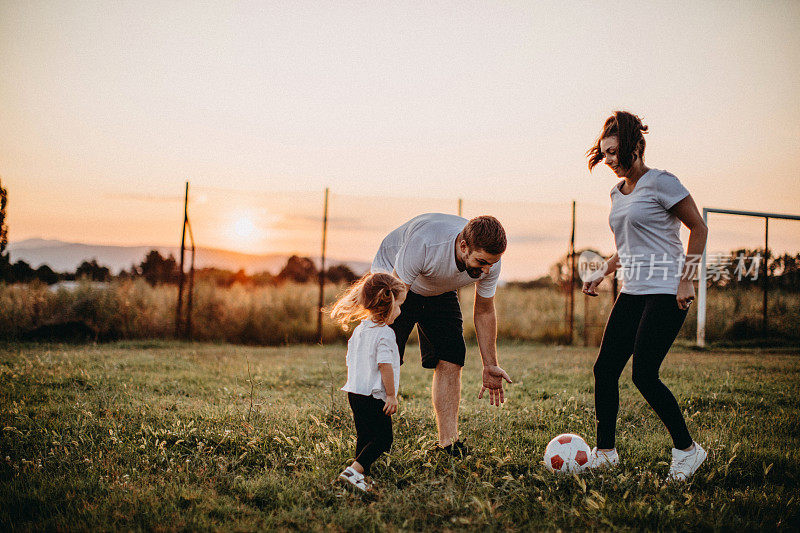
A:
373	367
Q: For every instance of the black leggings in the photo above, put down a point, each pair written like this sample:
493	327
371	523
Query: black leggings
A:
644	326
373	428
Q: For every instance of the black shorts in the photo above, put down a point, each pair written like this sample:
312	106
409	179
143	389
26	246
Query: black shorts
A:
439	325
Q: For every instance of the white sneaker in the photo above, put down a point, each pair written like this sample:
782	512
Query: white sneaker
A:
602	459
684	464
352	478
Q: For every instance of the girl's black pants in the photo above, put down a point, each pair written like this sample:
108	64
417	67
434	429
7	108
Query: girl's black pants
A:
373	428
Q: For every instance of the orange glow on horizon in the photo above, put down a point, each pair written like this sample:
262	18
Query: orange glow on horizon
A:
244	232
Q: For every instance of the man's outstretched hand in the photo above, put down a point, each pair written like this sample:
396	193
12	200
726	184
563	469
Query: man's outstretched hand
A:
493	377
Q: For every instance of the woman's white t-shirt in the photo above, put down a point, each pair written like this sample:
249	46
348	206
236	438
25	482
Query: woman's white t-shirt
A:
370	345
647	235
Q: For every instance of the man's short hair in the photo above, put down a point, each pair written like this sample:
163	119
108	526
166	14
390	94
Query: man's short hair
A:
485	233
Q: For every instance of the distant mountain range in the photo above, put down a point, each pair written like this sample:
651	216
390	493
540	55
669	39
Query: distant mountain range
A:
67	256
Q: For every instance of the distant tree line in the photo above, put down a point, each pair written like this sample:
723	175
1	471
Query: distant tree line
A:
740	268
3	229
157	269
736	269
745	268
784	272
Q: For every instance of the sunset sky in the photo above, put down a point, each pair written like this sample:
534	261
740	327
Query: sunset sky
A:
107	108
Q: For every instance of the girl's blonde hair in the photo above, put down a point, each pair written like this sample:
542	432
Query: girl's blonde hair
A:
372	296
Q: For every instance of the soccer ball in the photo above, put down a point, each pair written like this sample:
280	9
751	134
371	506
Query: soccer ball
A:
567	453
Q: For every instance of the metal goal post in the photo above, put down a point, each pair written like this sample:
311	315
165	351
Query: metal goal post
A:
701	289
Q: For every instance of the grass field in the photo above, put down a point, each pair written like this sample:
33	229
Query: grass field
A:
169	436
287	314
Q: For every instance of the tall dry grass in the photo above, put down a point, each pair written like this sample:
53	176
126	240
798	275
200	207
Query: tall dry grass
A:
287	314
540	315
136	310
735	315
731	315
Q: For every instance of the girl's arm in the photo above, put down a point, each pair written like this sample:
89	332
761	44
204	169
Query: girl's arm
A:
387	376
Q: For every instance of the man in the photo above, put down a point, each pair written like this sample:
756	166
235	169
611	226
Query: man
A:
434	255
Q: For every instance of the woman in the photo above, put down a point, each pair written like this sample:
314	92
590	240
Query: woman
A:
647	208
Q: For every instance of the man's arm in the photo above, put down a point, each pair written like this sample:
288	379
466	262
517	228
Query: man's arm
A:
394	273
410	259
485	319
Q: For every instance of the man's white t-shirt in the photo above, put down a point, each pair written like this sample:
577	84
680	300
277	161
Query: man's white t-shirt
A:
647	235
370	345
422	252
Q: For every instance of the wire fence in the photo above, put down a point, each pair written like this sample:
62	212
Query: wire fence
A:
257	231
285	223
273	225
282	223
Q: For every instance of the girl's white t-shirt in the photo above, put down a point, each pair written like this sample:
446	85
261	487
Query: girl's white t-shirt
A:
371	344
647	235
423	253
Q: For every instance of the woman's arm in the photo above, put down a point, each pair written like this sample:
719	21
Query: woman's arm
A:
611	265
687	212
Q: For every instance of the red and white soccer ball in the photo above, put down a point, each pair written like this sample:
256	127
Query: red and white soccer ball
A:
567	453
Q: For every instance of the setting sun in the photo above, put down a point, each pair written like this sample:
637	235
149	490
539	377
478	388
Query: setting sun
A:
243	231
244	227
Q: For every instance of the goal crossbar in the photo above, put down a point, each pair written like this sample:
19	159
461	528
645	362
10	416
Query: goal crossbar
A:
701	288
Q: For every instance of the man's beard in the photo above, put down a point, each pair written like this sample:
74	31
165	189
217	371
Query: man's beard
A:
461	263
